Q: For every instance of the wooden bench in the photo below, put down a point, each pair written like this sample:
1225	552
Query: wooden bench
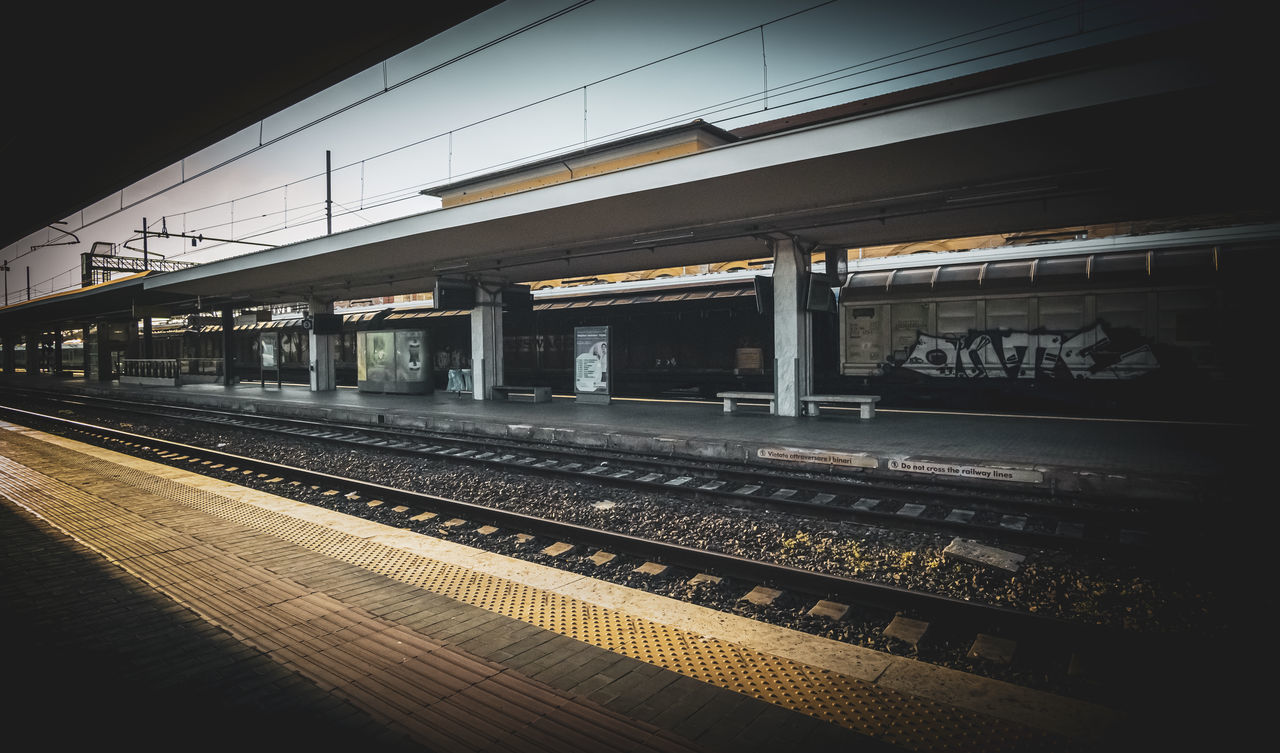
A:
536	394
731	399
866	403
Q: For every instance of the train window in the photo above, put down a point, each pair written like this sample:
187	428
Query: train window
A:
1185	316
1008	313
1127	310
957	317
1062	313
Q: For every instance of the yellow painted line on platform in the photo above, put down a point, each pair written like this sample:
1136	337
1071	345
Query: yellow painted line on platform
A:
907	703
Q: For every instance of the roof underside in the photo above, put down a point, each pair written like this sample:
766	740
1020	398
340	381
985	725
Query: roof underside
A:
1054	170
1158	136
112	94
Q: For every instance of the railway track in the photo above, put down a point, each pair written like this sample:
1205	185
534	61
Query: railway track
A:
808	592
1115	528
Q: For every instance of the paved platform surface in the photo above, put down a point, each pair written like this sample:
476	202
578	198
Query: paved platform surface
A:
1142	458
152	607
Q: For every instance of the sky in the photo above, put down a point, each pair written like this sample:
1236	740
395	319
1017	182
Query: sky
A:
605	69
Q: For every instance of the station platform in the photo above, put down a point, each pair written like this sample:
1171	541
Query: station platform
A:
1171	459
152	607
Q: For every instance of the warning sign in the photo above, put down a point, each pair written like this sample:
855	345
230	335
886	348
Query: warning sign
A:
989	473
821	457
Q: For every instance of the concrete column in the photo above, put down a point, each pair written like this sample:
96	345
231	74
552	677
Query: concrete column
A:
103	351
89	353
228	346
837	263
793	360
34	353
486	344
57	352
322	372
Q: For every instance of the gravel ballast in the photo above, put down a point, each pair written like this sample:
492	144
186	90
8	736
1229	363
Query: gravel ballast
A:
1152	598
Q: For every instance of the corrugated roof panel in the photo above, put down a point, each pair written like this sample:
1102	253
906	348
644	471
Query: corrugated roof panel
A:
864	280
1008	270
958	274
1117	264
1067	266
920	276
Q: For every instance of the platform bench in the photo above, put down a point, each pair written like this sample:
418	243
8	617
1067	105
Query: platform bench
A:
537	394
866	403
731	399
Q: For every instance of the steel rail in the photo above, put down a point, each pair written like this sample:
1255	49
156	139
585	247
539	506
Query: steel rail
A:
955	612
1116	520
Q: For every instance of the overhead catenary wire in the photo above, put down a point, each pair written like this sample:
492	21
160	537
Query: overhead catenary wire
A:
263	144
886	61
298	216
475	50
1062	12
657	61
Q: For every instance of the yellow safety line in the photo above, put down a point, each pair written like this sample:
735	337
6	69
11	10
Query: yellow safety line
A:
901	719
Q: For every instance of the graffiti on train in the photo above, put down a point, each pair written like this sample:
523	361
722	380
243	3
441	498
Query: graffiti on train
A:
1093	352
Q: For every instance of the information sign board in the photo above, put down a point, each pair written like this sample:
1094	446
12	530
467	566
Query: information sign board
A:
269	354
591	364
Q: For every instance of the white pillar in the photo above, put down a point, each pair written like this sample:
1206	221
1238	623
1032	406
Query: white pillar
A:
486	344
793	368
322	372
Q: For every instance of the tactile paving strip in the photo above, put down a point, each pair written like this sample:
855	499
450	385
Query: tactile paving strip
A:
903	720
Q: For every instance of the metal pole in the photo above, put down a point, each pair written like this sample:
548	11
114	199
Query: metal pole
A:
28	283
328	194
5	266
228	344
146	319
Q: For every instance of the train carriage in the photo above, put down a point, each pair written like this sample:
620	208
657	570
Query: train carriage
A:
1127	327
1127	332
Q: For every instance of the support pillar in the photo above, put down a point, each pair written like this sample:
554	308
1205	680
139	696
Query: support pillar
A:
228	346
8	353
89	352
837	263
33	352
486	344
57	352
792	338
322	372
102	352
